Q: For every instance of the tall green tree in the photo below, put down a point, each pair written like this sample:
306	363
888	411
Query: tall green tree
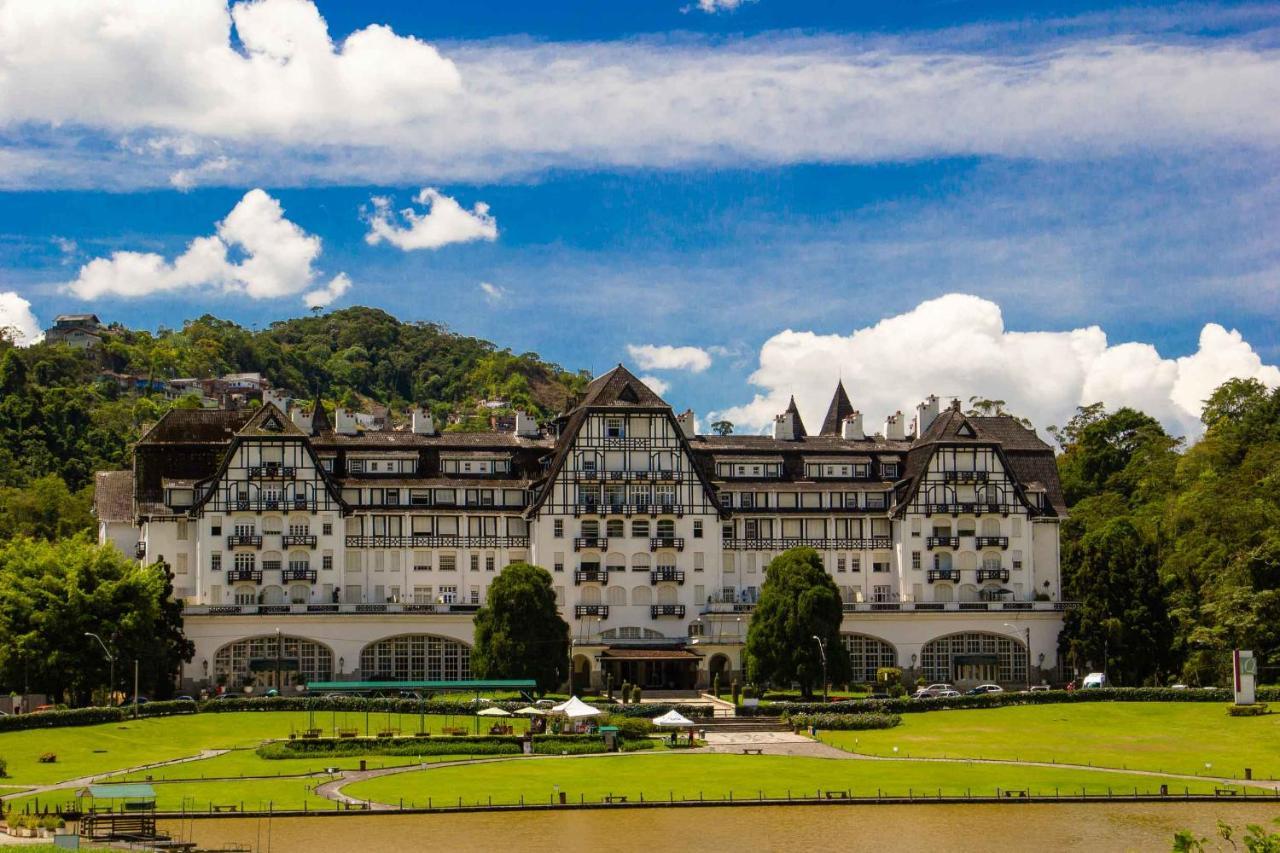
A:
798	602
52	593
1122	624
519	632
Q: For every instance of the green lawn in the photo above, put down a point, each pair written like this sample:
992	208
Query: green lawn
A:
1170	737
245	762
87	750
197	796
661	776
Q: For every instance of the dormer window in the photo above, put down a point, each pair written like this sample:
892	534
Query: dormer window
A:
889	471
615	428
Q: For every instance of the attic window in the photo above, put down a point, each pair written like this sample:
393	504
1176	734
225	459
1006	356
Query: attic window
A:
966	431
628	394
272	424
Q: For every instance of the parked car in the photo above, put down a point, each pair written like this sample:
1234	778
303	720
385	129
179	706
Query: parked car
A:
984	688
136	700
1177	687
947	694
922	693
1040	688
1094	680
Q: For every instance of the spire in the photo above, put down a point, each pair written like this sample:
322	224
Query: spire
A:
795	412
839	409
319	420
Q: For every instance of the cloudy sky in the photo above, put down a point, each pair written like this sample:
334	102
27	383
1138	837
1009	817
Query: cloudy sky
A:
1047	202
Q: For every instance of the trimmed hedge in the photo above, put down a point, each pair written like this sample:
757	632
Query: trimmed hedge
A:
1000	700
847	722
93	716
482	745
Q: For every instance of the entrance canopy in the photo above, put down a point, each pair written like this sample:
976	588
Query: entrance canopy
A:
623	654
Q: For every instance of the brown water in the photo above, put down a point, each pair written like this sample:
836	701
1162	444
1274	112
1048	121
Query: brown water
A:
932	828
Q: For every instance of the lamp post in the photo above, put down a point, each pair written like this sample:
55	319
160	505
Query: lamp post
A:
110	660
822	651
1027	629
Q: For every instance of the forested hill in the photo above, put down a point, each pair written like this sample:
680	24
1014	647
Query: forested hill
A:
60	414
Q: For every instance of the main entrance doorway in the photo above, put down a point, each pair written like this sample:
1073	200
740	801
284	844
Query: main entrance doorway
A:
657	669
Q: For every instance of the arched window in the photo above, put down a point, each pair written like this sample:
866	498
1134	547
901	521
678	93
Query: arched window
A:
641	595
299	593
974	657
867	654
416	657
991	560
616	562
666	594
991	527
304	660
967	561
943	592
617	595
591	594
272	595
246	595
942	560
640	562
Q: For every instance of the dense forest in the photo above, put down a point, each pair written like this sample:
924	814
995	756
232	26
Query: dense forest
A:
60	416
1174	551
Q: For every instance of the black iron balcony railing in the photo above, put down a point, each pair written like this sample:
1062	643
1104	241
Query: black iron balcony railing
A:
969	508
598	610
599	543
657	542
238	575
290	540
942	542
666	575
965	476
783	543
437	540
244	540
297	574
952	575
991	541
1001	575
271	472
581	576
659	610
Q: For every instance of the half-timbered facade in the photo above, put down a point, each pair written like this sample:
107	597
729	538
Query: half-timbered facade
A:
365	553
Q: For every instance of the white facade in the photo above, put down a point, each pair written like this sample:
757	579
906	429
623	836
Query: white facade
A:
365	555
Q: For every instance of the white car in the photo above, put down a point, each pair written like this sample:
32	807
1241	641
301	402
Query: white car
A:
1039	688
947	694
986	688
936	689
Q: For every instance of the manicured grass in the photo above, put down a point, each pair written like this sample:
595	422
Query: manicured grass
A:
1170	737
662	776
197	796
88	750
246	763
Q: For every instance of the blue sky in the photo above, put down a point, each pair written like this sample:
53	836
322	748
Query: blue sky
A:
786	187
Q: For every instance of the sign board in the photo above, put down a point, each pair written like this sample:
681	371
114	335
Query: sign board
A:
1244	672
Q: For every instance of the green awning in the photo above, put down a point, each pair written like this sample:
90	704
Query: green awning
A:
122	791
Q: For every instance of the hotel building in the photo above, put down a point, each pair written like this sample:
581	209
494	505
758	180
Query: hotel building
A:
351	553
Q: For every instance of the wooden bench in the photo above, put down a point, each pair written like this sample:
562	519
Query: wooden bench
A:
1225	792
312	734
348	733
616	798
225	808
422	734
355	807
752	750
389	733
1019	794
837	795
457	732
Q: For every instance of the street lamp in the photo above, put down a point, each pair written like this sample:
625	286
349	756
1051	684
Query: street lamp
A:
1027	629
822	650
111	660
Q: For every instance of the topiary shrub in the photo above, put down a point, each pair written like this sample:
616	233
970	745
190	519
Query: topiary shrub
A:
715	685
737	691
4	767
625	692
48	758
636	694
847	722
748	692
631	727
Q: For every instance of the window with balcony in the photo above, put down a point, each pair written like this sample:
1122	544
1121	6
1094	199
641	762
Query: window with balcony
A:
615	428
640	530
614	528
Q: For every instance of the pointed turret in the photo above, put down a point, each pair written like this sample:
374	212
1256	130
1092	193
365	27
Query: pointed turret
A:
837	412
319	420
801	432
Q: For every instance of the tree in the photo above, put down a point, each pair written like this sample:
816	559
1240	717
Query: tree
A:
1122	623
51	593
799	601
519	632
722	427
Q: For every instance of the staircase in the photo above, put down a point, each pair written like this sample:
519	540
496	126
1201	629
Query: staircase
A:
742	725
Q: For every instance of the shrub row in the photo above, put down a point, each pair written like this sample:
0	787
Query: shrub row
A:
481	745
847	722
1000	700
92	716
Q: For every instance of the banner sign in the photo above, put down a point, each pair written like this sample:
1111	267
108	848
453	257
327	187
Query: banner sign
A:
1244	668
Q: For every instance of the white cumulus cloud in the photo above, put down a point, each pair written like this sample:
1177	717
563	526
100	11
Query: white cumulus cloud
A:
443	222
667	357
957	346
713	6
17	319
275	258
324	296
658	386
493	294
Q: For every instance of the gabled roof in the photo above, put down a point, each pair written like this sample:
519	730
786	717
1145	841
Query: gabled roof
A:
620	387
801	432
839	409
113	495
270	422
191	426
